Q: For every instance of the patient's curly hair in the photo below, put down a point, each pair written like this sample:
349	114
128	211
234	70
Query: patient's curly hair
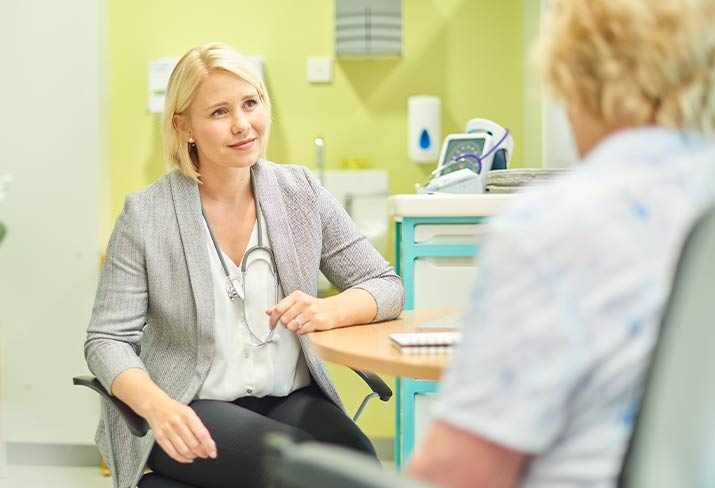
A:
641	62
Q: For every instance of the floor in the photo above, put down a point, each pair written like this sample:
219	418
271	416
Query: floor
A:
62	477
53	477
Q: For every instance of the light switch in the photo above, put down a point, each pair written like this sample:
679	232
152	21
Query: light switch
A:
320	69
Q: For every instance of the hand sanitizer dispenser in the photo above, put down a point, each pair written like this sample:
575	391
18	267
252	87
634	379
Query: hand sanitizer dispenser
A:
424	131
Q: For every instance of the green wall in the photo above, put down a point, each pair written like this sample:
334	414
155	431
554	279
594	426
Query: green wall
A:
468	52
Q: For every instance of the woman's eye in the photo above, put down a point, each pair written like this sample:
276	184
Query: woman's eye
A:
250	103
219	111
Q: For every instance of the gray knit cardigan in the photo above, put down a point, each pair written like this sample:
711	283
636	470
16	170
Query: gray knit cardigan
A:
154	307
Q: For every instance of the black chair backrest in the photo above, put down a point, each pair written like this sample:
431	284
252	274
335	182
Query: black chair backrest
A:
673	443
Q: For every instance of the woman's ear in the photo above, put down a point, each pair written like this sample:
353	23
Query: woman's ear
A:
181	124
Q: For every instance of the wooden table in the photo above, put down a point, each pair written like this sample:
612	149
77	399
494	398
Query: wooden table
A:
368	348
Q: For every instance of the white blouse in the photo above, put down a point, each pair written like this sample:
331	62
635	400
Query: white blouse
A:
239	368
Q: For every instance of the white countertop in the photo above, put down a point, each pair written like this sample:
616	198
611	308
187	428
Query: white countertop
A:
448	205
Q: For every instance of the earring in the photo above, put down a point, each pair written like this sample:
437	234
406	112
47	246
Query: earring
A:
192	142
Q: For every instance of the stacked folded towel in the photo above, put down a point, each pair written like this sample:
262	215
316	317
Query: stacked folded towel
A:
511	180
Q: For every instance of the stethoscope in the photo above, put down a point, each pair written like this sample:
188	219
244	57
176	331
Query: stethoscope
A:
264	253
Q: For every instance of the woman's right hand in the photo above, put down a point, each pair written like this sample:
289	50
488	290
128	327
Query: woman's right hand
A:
179	431
177	428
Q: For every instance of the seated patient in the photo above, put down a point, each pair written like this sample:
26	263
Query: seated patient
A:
209	285
573	280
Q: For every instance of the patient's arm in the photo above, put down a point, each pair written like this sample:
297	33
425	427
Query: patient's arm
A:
450	457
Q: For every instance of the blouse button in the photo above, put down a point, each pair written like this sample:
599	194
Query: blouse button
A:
249	390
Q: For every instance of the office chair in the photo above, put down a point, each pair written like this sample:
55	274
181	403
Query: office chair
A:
673	442
316	465
139	427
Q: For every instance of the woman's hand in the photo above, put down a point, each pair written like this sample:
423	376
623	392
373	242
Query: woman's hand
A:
177	428
179	431
302	313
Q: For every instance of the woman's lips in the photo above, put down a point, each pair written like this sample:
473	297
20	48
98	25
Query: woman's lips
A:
242	144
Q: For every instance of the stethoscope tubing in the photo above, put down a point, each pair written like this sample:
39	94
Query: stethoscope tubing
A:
231	288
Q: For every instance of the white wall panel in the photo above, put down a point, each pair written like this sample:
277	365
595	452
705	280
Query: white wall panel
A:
52	131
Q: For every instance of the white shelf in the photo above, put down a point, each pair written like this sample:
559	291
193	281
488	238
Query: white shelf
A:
447	205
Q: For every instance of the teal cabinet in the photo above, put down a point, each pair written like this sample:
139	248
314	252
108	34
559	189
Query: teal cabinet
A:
436	246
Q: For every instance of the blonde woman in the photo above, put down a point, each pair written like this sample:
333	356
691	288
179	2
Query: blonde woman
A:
209	286
544	389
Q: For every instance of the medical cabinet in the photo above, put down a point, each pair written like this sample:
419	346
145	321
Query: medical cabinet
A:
436	254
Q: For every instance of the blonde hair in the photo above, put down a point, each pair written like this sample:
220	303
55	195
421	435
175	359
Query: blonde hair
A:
191	70
635	61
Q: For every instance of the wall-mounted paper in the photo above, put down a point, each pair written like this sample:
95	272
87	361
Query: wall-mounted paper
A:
159	72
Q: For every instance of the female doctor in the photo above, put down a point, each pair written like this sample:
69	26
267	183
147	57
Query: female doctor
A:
209	286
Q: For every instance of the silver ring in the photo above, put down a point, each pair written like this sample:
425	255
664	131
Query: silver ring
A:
295	319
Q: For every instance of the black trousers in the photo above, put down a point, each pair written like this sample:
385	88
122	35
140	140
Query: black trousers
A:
239	427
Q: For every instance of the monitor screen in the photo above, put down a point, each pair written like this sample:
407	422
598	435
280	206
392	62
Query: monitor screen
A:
458	147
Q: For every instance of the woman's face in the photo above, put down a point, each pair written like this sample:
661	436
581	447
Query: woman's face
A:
227	120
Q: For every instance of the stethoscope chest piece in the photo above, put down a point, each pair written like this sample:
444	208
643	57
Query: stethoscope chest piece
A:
234	289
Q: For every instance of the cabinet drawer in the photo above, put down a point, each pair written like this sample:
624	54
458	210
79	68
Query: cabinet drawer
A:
448	233
424	403
443	281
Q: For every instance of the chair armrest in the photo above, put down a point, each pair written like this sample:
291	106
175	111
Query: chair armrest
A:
312	464
376	384
138	426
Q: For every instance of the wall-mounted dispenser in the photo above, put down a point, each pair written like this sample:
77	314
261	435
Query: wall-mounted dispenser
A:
368	28
424	128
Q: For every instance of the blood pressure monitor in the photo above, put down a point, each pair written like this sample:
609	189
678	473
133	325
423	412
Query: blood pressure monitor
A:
455	145
466	159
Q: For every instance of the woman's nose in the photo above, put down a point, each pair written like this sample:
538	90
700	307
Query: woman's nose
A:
240	123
